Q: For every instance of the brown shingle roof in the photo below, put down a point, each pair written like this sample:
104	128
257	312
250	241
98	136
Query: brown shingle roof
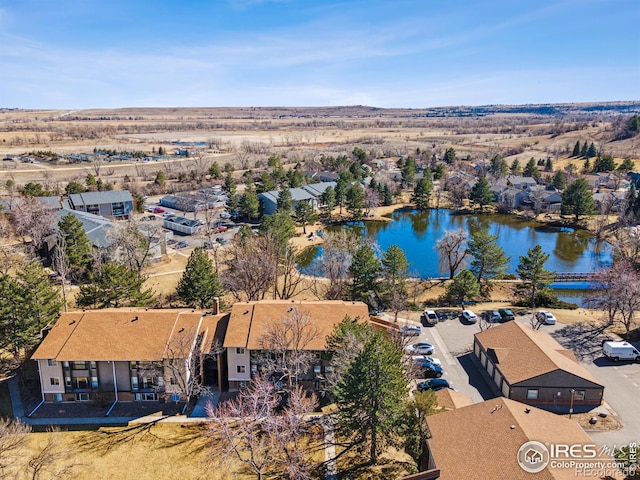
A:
121	334
488	425
248	319
450	399
522	353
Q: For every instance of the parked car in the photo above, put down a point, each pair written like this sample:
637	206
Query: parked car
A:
469	316
182	244
506	315
420	348
410	330
158	210
221	241
546	317
492	316
620	351
434	384
431	317
420	359
431	370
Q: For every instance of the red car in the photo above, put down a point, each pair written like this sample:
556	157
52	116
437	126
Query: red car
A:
158	210
221	228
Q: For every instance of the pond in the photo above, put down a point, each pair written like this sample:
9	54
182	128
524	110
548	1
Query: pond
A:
417	233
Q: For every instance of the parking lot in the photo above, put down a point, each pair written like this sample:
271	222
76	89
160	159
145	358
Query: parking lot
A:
453	340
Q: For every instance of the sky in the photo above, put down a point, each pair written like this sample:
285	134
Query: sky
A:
77	54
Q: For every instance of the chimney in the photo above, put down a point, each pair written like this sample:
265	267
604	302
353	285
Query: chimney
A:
216	306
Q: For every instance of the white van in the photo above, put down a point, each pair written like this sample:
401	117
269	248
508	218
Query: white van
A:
620	351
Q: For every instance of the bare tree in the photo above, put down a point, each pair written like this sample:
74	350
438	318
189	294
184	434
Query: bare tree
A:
134	242
13	436
484	323
249	430
626	243
338	249
96	164
452	250
31	219
53	460
617	294
251	267
60	263
285	344
371	200
291	281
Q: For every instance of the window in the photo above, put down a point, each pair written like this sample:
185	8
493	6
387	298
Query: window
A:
67	382
93	365
328	369
54	381
65	364
241	369
132	365
81	382
79	365
173	381
82	397
317	369
94	382
578	395
134	383
145	397
52	363
239	351
57	397
532	394
147	382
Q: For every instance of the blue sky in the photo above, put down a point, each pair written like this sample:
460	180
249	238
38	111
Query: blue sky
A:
396	53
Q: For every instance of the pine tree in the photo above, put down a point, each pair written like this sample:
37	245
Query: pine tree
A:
488	258
591	151
114	286
355	201
583	150
481	193
199	284
576	149
449	156
464	287
422	194
285	201
533	274
328	199
364	271
249	205
531	170
515	168
304	215
78	246
578	200
387	196
215	171
370	394
559	180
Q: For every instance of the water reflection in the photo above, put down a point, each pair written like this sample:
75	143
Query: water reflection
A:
417	233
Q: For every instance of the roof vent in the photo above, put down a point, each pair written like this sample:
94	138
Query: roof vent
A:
512	427
246	311
72	322
181	330
135	319
496	408
527	410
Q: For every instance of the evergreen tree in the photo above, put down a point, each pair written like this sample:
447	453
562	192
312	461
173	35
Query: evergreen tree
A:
161	179
515	168
449	156
488	258
587	166
74	187
364	271
229	184
78	246
548	165
498	166
533	274
627	165
285	201
578	200
591	151
464	287
439	171
409	172
481	193
215	171
422	194
576	149
604	163
395	271
328	199
531	170
114	286
355	201
371	394
32	189
387	196
559	180
583	150
281	227
304	215
249	204
199	284
341	192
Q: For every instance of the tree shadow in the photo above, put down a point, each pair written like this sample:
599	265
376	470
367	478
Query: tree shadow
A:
584	339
